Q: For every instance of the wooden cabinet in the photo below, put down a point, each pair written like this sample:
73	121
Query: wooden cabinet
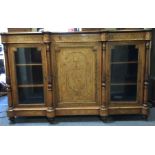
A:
84	73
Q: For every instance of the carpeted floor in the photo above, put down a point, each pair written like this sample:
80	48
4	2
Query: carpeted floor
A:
74	120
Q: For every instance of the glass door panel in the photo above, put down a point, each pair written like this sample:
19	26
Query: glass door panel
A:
31	95
29	75
27	56
124	73
123	92
124	53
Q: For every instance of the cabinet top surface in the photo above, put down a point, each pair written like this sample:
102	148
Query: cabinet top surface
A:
80	32
82	36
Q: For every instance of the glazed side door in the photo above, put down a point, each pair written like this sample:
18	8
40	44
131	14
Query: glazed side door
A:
125	73
28	70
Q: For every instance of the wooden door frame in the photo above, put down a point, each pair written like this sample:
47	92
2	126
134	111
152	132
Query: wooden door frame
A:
11	51
140	78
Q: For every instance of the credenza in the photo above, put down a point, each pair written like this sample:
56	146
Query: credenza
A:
100	73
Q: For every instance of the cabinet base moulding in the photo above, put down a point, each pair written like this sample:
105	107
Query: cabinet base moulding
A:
77	111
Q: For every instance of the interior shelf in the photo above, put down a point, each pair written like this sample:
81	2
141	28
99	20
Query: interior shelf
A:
115	84
28	64
125	62
31	85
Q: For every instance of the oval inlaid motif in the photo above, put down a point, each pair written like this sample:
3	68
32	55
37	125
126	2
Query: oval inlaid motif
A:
76	76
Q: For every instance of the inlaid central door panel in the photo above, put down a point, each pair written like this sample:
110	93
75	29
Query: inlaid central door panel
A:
77	72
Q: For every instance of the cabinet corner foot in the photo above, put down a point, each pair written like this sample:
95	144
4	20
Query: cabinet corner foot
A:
12	120
51	120
145	117
106	119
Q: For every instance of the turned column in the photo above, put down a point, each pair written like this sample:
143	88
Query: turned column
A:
103	110
50	105
146	78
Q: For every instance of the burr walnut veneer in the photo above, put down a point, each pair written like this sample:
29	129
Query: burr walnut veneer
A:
83	73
